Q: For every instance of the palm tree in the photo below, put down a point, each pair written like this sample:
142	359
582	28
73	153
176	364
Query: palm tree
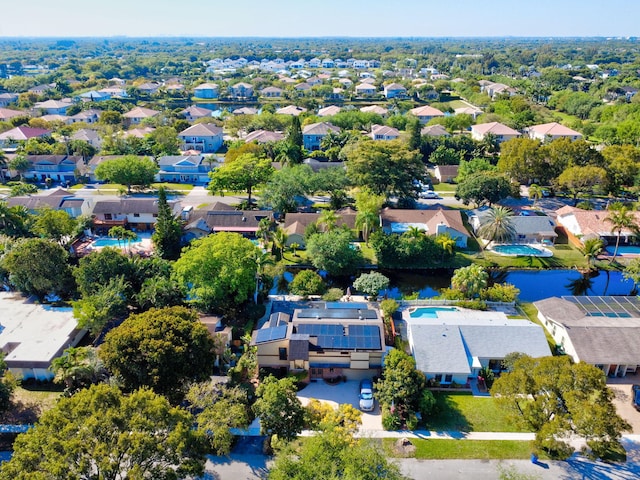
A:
328	219
535	192
366	221
447	243
261	259
20	164
414	233
265	231
591	248
621	218
498	226
122	234
280	240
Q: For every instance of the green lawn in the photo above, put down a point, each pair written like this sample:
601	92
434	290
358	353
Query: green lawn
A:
467	449
532	314
464	412
177	187
445	188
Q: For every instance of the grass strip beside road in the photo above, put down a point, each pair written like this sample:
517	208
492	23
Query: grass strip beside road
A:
440	449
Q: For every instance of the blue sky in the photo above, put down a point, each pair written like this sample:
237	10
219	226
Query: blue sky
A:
296	18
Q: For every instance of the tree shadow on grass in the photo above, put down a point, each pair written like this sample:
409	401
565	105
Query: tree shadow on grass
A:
447	416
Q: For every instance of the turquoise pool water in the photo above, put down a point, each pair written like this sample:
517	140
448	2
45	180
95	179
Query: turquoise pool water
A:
524	250
623	249
113	242
430	312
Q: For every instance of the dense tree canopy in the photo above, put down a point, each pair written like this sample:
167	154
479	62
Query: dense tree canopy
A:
167	235
128	170
483	187
557	398
332	251
218	271
243	174
100	433
164	349
278	407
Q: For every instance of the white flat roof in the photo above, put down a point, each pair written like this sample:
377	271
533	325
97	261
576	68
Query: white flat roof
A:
33	334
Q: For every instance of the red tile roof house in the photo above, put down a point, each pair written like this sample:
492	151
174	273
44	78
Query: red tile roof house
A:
426	113
138	114
581	225
432	222
9	139
500	132
552	131
383	132
295	224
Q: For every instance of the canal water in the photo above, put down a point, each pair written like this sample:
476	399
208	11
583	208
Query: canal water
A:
533	284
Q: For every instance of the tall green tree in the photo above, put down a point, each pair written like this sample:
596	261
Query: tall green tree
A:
107	303
78	368
287	188
167	237
582	180
164	349
278	407
218	271
386	168
557	398
483	188
244	173
39	267
591	248
371	283
19	164
332	252
293	141
368	216
101	433
129	170
498	225
57	225
98	268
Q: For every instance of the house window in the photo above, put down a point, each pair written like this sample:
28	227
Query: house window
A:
136	215
448	378
282	353
107	216
438	377
155	215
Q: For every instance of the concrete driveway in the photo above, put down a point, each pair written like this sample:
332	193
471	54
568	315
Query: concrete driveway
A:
344	392
621	388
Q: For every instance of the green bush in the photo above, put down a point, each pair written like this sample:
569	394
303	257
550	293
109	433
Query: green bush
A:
472	304
412	421
333	295
500	292
390	421
427	403
307	282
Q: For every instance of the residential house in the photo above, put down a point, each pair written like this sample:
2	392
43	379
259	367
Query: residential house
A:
115	92
337	94
271	92
377	109
137	114
94	96
264	136
224	218
7	99
193	113
313	134
59	168
203	137
494	90
600	331
87	116
241	90
581	225
9	140
433	222
552	131
528	226
302	87
56	118
395	90
435	131
446	173
328	340
383	132
53	107
456	344
206	90
149	88
245	111
56	199
140	132
89	136
329	111
185	169
365	90
42	89
139	214
474	112
295	224
32	335
426	113
328	63
497	130
7	114
293	110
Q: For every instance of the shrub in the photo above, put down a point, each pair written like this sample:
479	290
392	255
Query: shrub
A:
427	403
411	421
488	375
500	292
472	304
307	282
390	420
333	295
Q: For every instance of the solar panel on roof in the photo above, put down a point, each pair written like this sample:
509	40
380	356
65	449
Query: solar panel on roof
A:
350	305
271	334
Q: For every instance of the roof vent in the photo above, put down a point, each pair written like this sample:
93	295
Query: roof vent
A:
244	219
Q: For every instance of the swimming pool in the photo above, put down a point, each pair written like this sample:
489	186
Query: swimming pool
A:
514	250
623	249
113	242
430	312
